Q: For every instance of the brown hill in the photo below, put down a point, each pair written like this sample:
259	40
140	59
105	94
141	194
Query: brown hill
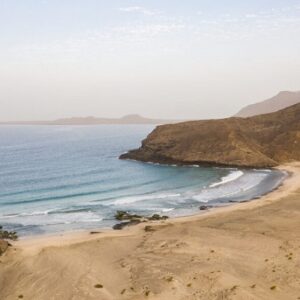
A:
260	141
280	101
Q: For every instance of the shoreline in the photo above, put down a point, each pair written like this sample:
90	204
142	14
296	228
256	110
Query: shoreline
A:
94	233
239	197
60	221
208	164
249	250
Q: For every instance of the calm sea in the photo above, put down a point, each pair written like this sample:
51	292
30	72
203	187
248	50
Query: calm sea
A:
62	178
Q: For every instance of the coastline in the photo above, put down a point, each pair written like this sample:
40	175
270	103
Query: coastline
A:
229	186
64	238
213	224
86	233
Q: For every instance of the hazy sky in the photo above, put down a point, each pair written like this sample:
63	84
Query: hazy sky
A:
159	58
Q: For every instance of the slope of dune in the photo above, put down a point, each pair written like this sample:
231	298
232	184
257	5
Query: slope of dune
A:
280	101
260	141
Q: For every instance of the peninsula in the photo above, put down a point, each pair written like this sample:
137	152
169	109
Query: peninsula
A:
258	142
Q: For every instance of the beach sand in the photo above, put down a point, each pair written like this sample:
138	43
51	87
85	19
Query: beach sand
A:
245	251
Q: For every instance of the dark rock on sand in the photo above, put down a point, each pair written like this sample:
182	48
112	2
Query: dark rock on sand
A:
134	219
124	215
122	225
205	207
8	235
157	217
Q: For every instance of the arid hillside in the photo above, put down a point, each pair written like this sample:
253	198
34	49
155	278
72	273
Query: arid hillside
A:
260	141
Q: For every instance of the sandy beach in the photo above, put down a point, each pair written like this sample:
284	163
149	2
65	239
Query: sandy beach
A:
244	251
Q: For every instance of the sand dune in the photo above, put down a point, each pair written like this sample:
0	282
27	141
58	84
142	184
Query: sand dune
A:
246	251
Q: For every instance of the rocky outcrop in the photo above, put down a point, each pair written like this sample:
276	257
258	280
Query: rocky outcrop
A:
133	219
8	235
260	141
4	236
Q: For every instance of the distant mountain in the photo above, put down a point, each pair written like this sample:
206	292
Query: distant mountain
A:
129	119
280	101
260	141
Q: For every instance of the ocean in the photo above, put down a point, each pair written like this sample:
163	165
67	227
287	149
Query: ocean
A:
62	178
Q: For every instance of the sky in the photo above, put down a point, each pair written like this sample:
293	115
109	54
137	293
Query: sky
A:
160	58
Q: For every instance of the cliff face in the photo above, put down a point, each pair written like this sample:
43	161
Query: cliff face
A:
260	141
280	101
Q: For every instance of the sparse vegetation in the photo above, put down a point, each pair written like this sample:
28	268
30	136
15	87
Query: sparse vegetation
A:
98	286
169	278
273	287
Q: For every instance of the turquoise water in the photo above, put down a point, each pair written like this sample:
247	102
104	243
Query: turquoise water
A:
60	178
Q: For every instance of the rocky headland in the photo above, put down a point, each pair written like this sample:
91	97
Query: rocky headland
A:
256	142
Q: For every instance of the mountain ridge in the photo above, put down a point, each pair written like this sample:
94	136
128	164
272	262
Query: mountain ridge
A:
282	100
90	120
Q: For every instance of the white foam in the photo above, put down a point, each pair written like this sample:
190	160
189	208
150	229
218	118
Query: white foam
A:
230	177
56	219
167	209
133	199
34	213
